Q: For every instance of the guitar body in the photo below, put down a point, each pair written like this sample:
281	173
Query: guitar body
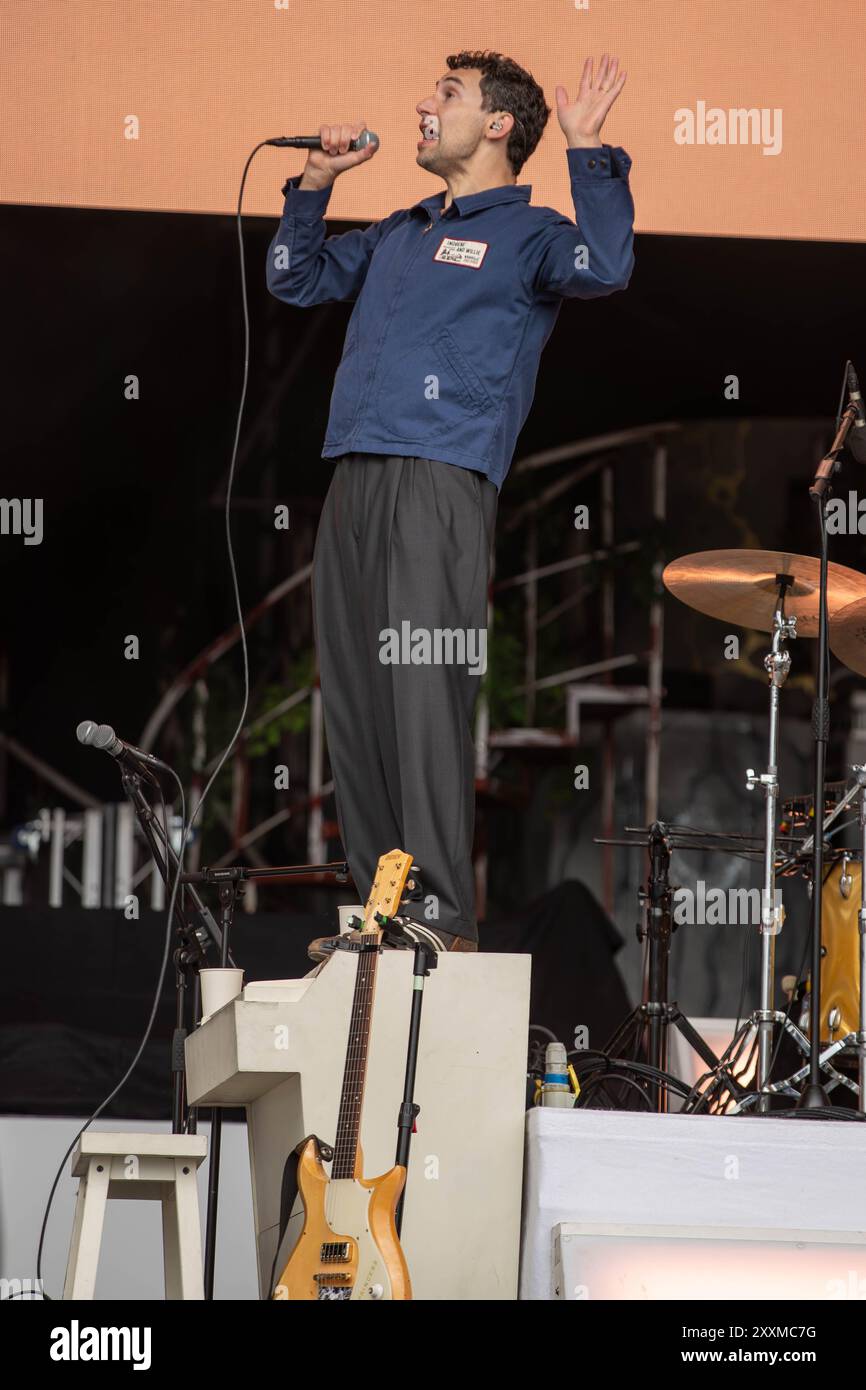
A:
348	1248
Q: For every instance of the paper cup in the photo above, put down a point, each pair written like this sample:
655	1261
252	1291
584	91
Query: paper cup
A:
219	987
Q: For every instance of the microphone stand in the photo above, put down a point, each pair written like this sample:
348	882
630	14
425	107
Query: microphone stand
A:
814	1096
193	940
190	954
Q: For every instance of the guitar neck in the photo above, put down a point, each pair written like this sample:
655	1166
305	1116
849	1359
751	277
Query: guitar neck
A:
391	874
355	1071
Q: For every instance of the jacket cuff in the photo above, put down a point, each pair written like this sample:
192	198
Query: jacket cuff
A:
305	204
605	162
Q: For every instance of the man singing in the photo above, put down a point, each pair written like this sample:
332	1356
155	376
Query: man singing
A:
455	298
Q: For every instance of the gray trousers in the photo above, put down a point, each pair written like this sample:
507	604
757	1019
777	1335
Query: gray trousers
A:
405	541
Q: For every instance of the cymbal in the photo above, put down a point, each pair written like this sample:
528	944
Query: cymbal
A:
740	587
848	636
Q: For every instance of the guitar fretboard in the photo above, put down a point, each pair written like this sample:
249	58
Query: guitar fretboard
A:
354	1075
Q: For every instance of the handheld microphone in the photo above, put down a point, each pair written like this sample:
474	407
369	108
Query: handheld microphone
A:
856	440
102	736
314	142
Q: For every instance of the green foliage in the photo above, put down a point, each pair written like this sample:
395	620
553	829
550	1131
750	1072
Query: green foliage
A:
505	658
293	721
506	672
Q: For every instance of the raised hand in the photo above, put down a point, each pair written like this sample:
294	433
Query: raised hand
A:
583	118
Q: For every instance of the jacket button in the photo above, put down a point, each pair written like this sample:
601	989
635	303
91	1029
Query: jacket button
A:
603	163
591	164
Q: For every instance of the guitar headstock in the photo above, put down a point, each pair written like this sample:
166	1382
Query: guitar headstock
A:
392	872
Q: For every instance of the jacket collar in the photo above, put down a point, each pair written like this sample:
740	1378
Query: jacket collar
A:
474	202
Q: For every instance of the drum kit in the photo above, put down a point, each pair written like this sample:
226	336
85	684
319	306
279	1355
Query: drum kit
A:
779	593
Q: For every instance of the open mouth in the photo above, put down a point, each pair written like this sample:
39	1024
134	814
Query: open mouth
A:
429	132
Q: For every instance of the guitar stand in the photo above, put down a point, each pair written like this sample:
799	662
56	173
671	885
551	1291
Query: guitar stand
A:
423	963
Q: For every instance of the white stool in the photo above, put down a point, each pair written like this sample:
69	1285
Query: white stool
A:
145	1167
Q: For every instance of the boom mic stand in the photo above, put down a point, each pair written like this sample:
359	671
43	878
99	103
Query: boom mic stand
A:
193	940
189	955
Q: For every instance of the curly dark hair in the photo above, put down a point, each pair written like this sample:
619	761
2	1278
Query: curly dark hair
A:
505	86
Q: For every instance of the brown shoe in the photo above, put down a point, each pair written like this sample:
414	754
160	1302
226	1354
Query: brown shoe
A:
462	943
322	948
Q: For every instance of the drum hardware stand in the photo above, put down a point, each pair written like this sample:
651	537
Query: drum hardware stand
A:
789	1086
777	664
655	1013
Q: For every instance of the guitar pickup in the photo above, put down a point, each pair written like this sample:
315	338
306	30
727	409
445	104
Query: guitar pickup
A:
334	1252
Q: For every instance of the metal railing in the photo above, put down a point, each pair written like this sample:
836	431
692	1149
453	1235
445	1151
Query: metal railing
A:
105	837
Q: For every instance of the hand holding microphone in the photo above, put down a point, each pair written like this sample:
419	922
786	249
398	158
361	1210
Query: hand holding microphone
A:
340	148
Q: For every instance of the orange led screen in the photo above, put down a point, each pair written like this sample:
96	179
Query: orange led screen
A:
743	117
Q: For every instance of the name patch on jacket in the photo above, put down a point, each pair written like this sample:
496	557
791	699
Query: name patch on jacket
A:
456	252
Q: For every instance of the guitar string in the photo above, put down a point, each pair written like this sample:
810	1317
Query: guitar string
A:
344	1125
347	1124
350	1105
